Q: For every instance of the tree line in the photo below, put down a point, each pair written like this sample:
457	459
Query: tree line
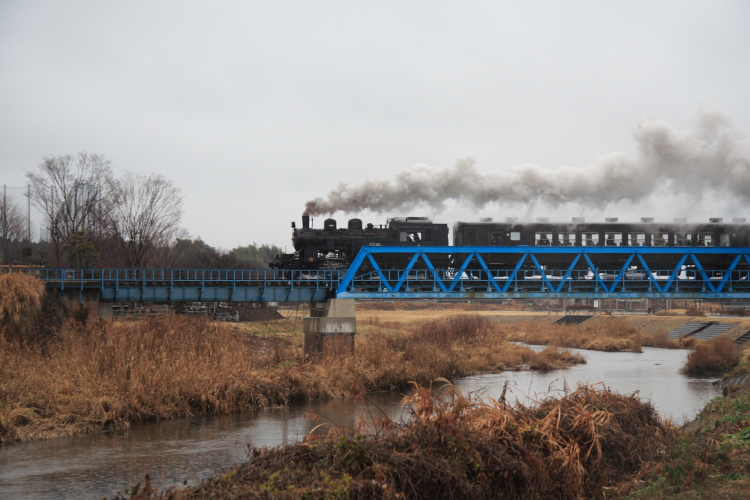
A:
92	218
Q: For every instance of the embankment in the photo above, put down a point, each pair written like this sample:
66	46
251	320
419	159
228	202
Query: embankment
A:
457	447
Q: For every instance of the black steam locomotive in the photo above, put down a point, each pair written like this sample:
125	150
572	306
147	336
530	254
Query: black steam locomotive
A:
333	248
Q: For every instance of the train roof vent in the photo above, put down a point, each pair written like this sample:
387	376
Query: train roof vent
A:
511	219
647	219
716	219
611	219
542	219
680	219
417	219
485	219
579	219
739	219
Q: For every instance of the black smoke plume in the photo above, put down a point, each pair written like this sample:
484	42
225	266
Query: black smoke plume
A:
713	154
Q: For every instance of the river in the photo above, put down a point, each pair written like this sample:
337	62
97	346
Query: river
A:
188	450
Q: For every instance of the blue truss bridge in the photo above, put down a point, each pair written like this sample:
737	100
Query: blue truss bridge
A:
439	273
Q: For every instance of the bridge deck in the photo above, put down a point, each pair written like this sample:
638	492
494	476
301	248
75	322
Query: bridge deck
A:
526	272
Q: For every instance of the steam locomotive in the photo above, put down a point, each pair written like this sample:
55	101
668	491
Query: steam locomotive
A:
334	248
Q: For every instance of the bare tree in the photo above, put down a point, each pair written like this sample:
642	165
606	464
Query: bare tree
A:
69	190
13	228
13	225
145	215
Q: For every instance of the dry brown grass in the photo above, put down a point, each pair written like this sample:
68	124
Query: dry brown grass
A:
717	357
402	305
456	447
601	333
20	297
104	374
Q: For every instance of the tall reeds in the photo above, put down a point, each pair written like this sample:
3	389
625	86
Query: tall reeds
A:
102	374
20	297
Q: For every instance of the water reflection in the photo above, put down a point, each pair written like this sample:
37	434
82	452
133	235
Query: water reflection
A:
653	373
188	450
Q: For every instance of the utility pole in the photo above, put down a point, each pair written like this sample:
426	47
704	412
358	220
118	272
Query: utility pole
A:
5	221
28	211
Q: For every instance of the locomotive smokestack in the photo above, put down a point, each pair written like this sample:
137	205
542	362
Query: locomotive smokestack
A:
305	222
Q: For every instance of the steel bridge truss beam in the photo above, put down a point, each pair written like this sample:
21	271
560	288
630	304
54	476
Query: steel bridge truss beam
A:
471	276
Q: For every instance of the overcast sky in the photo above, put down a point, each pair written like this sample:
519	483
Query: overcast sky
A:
254	108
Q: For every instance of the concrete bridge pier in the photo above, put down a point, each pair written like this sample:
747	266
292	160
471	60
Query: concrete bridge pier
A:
75	299
330	329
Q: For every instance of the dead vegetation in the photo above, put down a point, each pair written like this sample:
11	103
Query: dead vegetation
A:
96	375
21	297
601	333
717	357
456	446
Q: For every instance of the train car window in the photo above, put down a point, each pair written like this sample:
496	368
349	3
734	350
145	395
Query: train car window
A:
724	240
515	236
682	239
567	239
470	238
659	239
613	239
402	236
637	239
590	239
496	239
543	239
706	239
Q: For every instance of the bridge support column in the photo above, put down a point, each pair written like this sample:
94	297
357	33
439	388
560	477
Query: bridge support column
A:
88	299
105	310
330	329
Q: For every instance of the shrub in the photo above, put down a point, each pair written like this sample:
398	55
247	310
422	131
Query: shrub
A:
695	312
458	447
712	358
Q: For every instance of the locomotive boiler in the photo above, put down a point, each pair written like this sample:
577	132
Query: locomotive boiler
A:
334	248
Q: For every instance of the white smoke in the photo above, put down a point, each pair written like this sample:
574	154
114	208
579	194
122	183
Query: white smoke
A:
712	155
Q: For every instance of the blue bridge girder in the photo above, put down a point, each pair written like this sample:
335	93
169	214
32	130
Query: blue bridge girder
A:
462	273
470	277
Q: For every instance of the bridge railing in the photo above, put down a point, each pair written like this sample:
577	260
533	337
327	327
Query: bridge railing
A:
91	278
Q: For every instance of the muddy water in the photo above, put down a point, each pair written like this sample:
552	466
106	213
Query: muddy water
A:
189	450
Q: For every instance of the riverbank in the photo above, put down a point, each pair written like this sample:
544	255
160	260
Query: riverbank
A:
104	375
618	333
455	446
710	461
